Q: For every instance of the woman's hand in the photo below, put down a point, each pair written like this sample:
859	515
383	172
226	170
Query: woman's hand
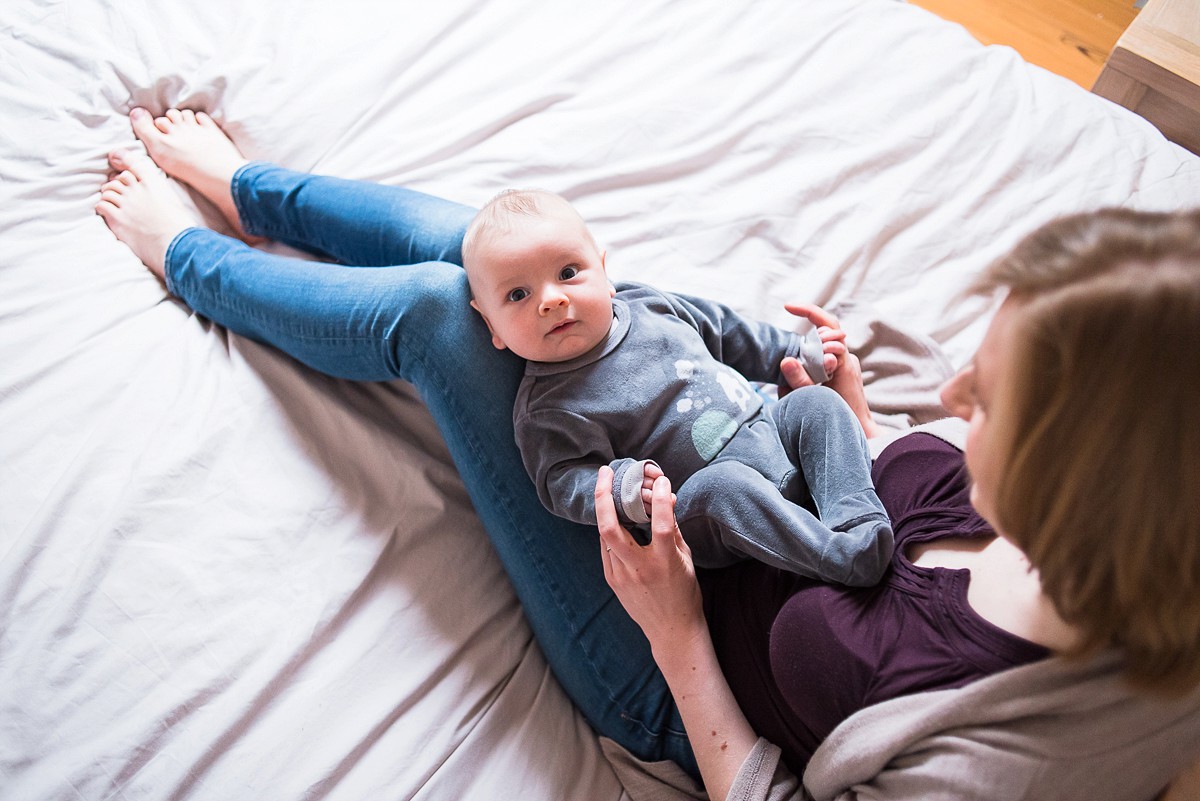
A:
846	379
655	583
833	338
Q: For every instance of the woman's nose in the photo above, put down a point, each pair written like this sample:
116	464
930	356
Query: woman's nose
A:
955	395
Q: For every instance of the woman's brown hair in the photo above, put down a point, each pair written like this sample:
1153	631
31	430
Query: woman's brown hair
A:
1102	486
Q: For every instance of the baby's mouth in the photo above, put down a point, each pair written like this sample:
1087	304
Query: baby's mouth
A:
563	326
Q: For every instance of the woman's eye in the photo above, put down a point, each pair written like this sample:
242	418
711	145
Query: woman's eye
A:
568	273
518	294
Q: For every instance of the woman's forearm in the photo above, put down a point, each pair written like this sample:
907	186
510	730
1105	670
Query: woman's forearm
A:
720	735
656	584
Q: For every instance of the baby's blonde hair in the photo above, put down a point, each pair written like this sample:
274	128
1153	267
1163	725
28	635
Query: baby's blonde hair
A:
502	213
1102	486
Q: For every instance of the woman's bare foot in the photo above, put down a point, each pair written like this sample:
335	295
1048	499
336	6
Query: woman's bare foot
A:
142	210
189	146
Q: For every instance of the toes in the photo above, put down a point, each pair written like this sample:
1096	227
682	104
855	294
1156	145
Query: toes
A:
110	199
140	167
144	125
118	183
127	166
131	166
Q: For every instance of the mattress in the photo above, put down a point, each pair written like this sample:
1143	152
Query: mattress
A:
223	575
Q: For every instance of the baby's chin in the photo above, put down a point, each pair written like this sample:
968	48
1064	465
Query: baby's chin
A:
568	347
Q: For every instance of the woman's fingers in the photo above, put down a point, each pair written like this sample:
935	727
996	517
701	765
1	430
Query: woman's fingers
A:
606	506
606	516
620	552
663	524
836	348
656	584
827	334
662	515
613	536
833	342
794	374
813	313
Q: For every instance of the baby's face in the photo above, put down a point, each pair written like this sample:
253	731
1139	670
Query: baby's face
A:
542	288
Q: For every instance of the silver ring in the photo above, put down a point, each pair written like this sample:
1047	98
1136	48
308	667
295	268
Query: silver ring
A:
608	548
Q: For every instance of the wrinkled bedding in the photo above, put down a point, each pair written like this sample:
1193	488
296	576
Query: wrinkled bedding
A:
224	576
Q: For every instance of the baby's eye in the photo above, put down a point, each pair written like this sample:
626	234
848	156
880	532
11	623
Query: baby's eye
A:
518	295
568	273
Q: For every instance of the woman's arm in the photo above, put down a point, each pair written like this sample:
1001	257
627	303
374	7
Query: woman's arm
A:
657	586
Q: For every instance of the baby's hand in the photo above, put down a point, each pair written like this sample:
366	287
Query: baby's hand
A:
833	340
650	474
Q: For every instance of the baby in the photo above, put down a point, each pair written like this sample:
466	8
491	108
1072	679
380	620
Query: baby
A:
653	383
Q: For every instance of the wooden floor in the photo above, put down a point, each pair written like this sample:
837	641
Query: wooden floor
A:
1069	37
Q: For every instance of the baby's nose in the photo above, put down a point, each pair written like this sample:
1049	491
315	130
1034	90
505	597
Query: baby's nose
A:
552	301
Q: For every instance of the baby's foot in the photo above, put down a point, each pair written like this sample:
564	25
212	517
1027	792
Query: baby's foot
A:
189	146
142	210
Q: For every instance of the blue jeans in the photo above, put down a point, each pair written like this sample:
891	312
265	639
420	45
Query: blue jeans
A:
396	306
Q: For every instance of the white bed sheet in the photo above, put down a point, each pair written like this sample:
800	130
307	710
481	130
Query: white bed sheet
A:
224	576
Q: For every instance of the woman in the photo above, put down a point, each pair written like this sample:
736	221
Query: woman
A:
794	676
1113	578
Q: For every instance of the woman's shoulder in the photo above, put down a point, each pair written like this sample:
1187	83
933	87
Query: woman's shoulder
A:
1050	729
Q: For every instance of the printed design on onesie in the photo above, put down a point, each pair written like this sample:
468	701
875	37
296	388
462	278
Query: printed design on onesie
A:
713	427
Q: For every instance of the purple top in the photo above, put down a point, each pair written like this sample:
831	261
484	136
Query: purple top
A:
802	656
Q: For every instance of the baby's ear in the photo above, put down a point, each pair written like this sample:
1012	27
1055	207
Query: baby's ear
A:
497	342
612	290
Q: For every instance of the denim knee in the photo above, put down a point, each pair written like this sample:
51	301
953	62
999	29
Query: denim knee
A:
435	325
438	294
